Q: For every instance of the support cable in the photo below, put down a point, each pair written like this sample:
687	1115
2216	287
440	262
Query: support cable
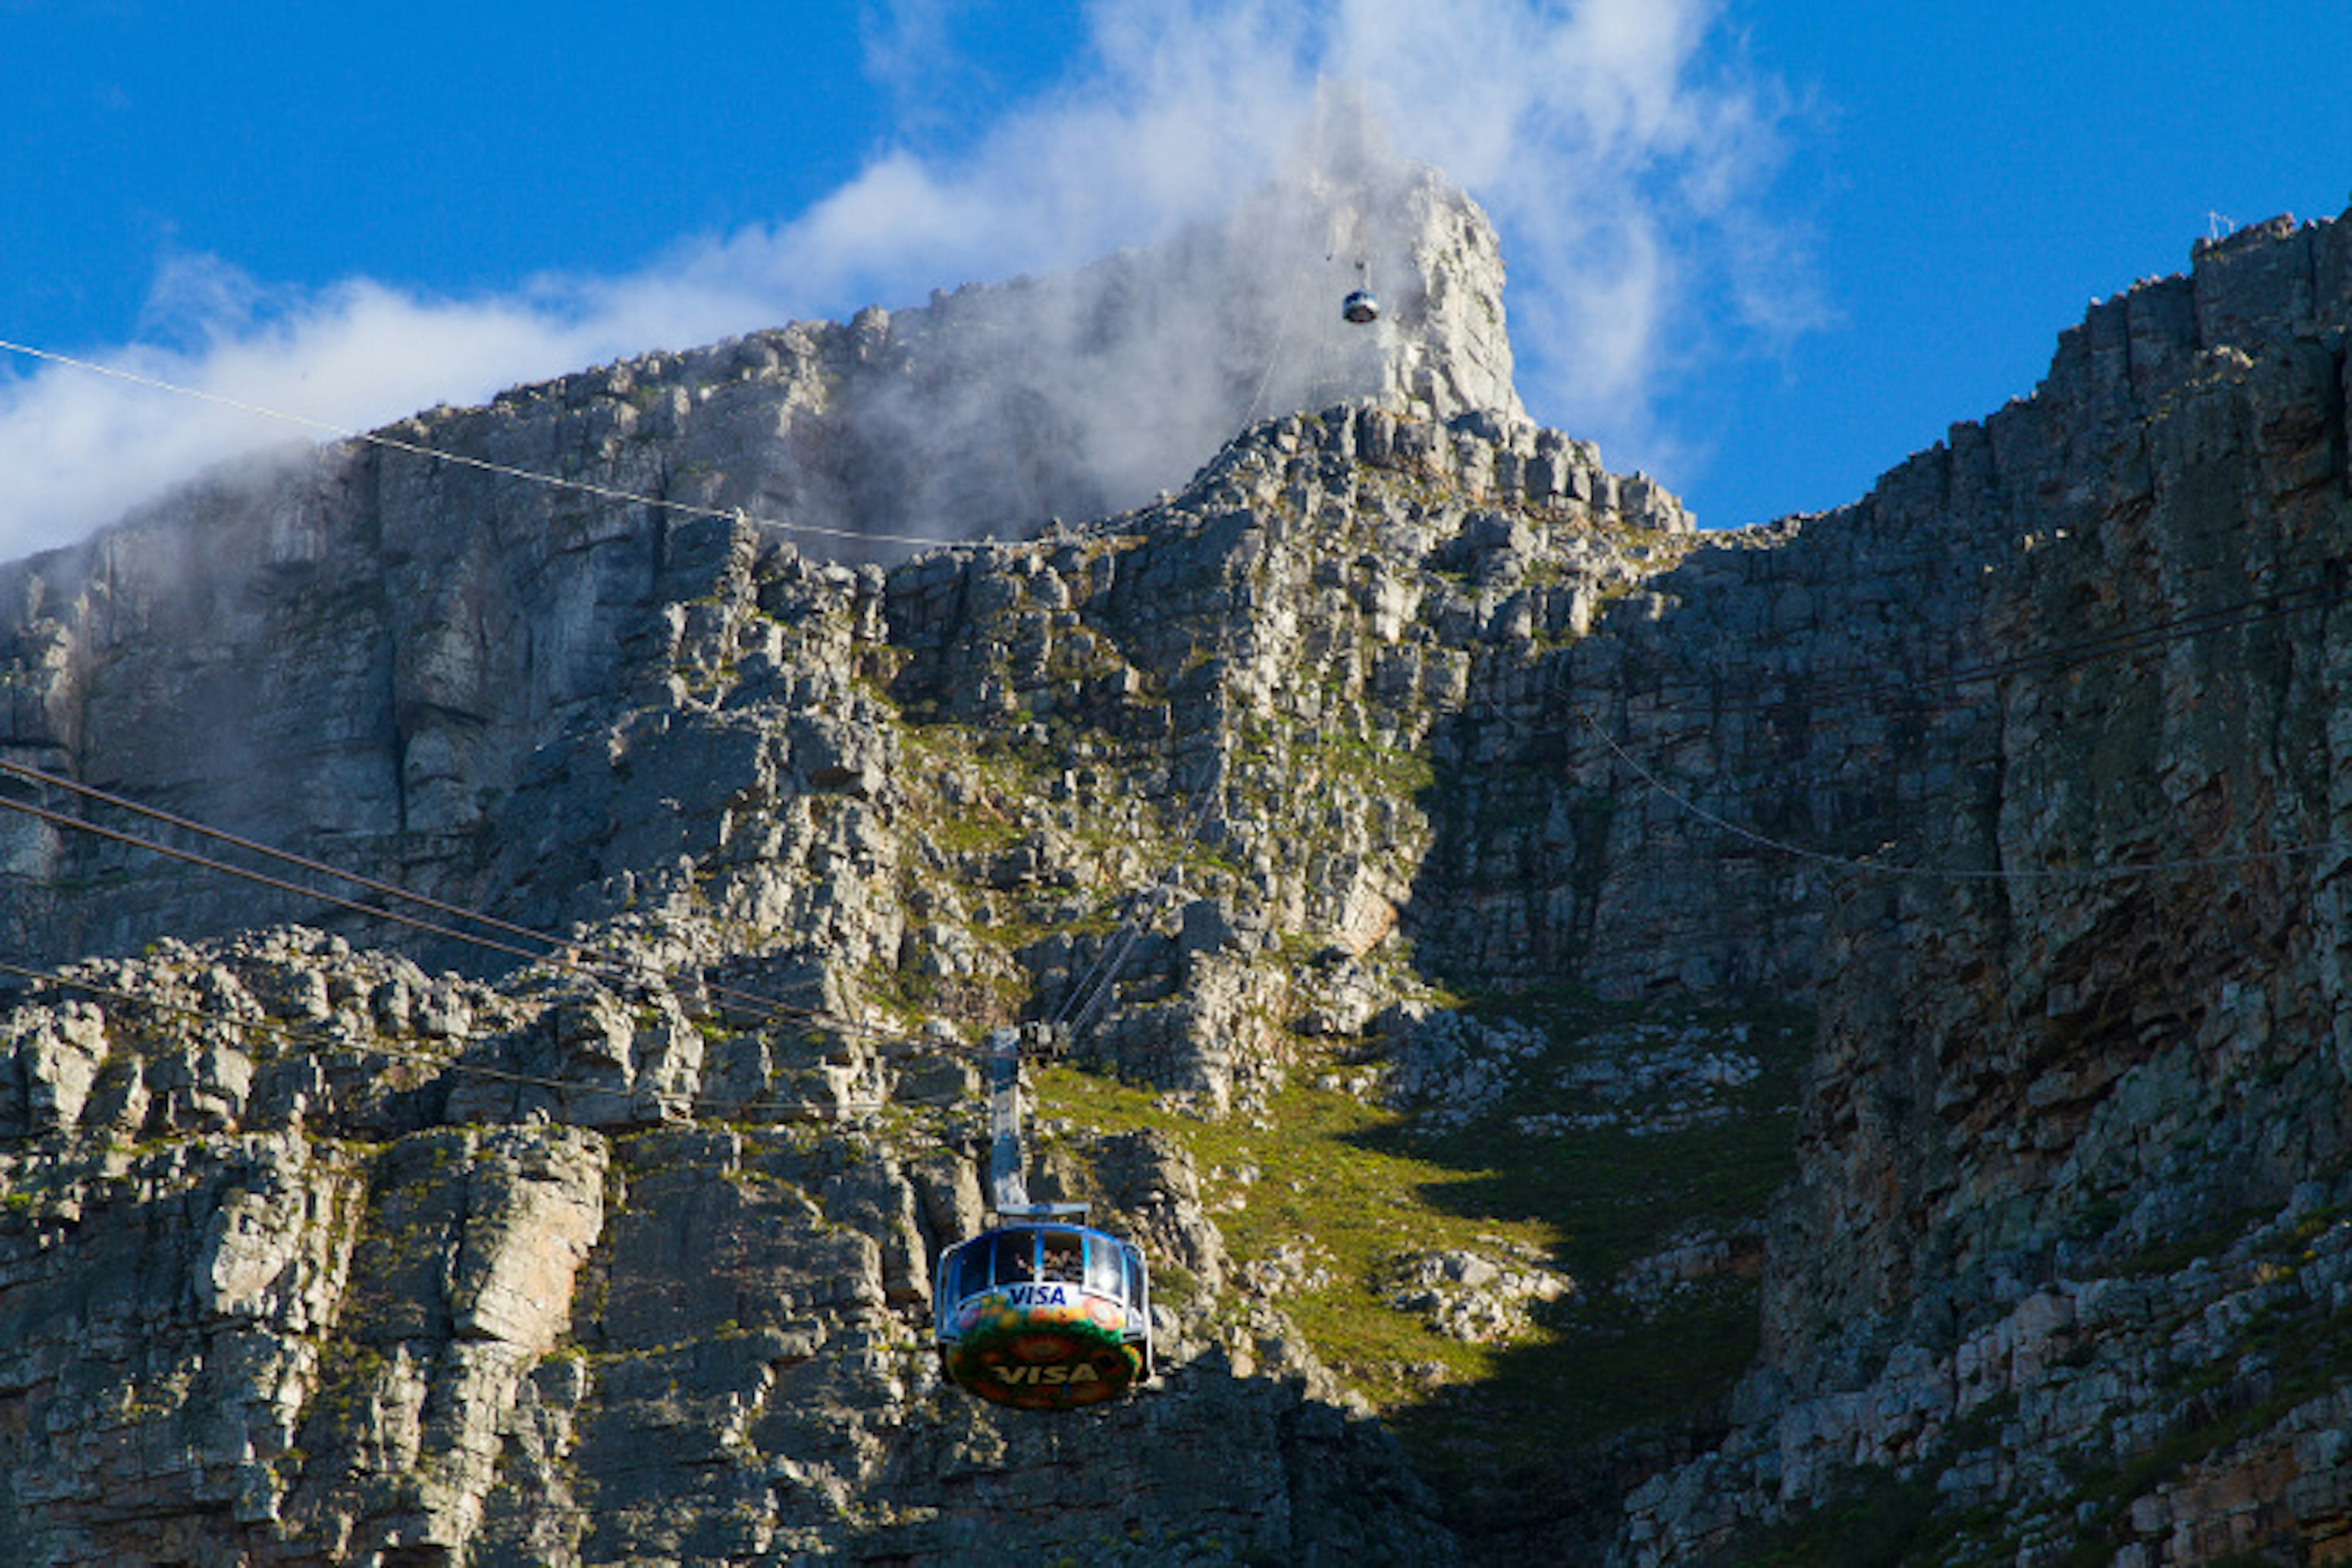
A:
505	470
561	949
1939	873
609	967
689	1105
2324	593
1104	977
156	814
295	1037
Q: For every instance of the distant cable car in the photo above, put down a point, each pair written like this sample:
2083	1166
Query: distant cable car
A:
1360	307
1040	1312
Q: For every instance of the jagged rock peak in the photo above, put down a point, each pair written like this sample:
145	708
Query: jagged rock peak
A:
995	407
1483	458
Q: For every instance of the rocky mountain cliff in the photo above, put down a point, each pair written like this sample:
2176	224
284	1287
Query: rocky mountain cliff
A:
1621	1044
356	652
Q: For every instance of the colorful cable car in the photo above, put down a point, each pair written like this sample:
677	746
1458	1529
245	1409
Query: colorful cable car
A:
1039	1312
1360	307
1043	1315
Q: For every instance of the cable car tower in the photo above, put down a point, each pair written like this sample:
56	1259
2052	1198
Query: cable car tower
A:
1038	1313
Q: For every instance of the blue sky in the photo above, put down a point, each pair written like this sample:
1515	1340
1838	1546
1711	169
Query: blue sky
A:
1762	250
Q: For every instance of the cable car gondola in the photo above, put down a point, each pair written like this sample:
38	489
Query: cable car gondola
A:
1043	1314
1361	307
1040	1311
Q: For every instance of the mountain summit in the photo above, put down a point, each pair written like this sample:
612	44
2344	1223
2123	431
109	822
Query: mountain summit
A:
1620	1045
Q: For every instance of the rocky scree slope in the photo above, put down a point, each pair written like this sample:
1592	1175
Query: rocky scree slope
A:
1433	712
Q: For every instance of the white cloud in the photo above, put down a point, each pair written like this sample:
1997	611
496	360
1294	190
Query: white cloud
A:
1622	146
79	449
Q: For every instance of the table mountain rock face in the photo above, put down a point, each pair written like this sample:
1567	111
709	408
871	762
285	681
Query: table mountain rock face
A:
2065	1258
354	652
2064	1109
2025	774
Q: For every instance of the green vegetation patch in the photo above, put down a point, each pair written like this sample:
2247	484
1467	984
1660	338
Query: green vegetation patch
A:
1316	1172
1329	1191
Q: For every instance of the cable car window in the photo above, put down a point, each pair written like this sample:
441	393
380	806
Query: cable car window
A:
1015	1258
966	1272
1135	1281
1064	1258
1102	1266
